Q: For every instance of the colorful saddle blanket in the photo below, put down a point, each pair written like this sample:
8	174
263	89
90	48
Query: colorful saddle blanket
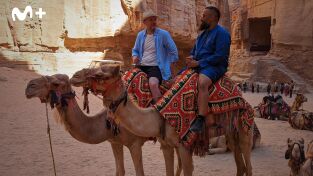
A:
179	103
138	89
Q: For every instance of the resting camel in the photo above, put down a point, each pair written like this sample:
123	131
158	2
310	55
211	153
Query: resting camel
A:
297	104
147	122
88	129
300	119
273	108
297	162
219	144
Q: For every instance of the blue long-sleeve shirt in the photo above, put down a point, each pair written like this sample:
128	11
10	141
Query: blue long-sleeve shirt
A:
166	50
212	48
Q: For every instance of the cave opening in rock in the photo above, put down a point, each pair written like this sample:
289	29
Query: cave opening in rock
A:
259	34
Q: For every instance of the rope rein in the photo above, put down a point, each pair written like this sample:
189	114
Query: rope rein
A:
48	131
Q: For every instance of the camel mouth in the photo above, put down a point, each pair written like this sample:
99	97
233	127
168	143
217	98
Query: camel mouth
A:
29	96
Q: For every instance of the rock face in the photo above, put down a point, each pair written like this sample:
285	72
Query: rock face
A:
108	26
282	27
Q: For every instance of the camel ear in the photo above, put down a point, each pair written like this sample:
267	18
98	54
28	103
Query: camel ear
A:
288	140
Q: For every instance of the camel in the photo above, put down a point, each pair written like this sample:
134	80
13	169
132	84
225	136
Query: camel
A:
147	122
299	100
273	108
81	79
87	129
219	144
295	153
300	119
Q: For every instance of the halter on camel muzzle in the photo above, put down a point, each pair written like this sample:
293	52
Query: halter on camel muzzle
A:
288	154
55	100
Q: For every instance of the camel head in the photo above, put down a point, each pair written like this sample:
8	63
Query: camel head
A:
81	78
300	98
109	81
47	87
295	151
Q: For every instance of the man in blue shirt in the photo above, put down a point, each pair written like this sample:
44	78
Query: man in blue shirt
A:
154	52
210	58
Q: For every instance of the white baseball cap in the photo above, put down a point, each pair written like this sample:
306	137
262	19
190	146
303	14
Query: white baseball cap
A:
148	14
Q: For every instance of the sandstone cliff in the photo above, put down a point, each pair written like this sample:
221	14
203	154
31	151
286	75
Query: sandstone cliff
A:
290	33
108	26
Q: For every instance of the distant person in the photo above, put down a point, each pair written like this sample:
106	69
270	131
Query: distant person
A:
252	87
257	88
268	88
275	87
282	88
240	86
245	86
286	89
292	86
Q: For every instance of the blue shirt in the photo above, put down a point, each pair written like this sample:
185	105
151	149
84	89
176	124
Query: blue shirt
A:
166	50
212	49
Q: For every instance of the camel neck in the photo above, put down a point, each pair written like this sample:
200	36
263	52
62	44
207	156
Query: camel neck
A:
296	105
143	122
87	129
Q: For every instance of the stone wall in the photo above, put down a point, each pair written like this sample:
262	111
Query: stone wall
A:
108	26
291	35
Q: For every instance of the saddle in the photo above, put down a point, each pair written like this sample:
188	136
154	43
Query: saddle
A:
178	106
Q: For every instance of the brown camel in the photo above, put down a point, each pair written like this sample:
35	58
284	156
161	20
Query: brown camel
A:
299	100
147	122
297	162
87	129
81	79
300	119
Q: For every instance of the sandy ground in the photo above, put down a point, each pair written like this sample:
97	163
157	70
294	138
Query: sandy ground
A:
24	146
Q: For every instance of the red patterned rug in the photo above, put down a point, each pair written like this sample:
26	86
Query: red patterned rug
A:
138	89
179	106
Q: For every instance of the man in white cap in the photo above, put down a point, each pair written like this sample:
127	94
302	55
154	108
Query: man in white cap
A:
154	52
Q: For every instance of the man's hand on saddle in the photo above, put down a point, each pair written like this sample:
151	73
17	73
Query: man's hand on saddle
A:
191	63
135	60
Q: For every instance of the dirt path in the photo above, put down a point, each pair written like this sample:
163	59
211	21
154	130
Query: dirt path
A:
24	147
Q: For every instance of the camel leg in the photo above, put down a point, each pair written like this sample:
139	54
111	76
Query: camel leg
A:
245	143
136	154
233	146
119	159
186	159
168	153
179	164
